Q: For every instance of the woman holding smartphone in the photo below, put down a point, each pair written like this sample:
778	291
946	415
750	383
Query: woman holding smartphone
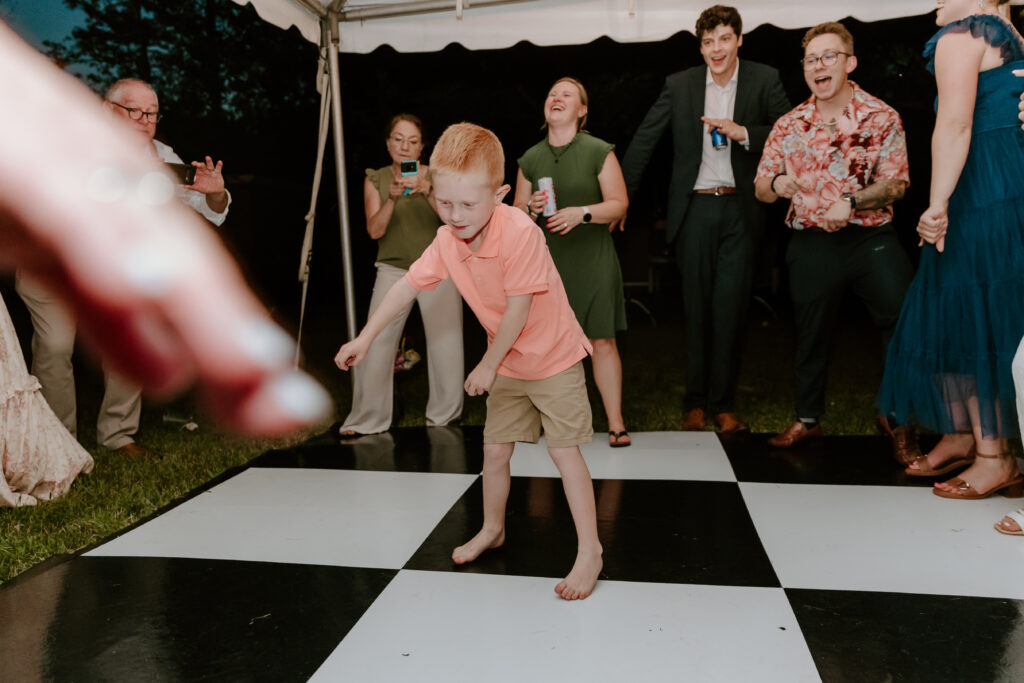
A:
399	215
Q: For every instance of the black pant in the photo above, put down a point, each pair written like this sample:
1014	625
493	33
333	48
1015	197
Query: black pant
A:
715	254
822	266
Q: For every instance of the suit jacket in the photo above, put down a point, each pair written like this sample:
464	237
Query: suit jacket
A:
760	100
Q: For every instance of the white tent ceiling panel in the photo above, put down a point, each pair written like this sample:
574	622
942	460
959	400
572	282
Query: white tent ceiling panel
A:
420	27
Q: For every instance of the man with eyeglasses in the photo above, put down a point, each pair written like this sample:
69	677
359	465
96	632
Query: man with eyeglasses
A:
841	160
720	114
53	339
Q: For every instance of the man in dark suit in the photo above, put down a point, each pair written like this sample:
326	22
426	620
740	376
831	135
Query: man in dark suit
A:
713	217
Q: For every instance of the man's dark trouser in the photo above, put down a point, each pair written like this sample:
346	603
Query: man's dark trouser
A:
715	254
822	266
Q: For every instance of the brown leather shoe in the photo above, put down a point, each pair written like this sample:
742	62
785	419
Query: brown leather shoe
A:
797	434
695	420
133	450
904	441
730	422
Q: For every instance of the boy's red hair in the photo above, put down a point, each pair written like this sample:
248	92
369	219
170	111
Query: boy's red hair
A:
466	148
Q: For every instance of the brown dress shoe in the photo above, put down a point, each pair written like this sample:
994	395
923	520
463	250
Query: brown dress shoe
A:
796	434
133	450
730	422
695	420
904	442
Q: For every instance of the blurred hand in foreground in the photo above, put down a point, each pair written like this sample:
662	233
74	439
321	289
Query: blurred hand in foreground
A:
93	218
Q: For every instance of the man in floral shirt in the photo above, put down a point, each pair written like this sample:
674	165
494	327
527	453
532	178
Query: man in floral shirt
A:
841	160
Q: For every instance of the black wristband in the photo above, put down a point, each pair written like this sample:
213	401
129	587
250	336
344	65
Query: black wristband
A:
774	178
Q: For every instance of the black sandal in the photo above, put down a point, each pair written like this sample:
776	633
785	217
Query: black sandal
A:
613	439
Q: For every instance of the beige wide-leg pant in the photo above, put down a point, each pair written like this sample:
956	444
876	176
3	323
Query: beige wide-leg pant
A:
373	379
53	341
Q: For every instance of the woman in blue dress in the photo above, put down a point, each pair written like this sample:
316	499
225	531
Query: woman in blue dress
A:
948	365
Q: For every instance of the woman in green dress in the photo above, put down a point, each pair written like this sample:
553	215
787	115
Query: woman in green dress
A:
590	194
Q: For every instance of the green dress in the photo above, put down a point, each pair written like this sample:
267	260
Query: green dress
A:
585	257
412	227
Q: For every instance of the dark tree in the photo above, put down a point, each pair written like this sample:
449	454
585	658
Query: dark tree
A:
223	75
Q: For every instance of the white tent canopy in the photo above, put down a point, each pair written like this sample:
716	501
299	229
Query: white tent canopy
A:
361	26
429	25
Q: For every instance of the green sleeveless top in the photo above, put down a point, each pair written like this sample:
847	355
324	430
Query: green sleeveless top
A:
585	257
573	168
412	227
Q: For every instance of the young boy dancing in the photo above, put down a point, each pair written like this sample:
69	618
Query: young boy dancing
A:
533	369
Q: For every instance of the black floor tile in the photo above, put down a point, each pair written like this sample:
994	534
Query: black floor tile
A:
158	619
849	460
449	450
658	531
864	637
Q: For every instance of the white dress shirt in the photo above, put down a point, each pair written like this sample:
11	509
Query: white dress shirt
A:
715	164
197	200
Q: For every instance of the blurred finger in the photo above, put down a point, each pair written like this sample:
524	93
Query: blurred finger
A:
282	403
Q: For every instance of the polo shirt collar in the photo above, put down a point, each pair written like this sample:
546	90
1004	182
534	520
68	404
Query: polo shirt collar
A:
492	239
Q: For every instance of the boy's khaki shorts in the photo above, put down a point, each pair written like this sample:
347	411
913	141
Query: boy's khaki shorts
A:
517	408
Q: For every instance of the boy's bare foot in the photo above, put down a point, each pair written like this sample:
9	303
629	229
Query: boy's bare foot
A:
583	577
484	540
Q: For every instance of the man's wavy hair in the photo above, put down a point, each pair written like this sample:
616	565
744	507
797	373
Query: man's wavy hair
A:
712	17
833	27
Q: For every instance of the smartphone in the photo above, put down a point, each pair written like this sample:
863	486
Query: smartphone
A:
409	168
186	173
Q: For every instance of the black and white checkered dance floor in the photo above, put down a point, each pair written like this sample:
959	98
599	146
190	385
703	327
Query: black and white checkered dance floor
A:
725	560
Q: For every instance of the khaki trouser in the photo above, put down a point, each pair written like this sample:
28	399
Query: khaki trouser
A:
53	341
373	379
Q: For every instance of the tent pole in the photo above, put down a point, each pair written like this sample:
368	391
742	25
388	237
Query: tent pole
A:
329	27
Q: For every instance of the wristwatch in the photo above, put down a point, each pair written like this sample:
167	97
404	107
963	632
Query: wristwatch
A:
848	196
586	214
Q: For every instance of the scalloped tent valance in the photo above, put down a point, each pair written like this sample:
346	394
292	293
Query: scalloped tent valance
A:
429	25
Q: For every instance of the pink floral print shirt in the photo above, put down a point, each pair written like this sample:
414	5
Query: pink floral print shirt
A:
867	145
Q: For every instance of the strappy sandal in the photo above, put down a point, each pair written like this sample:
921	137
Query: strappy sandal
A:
958	462
1012	488
1018	517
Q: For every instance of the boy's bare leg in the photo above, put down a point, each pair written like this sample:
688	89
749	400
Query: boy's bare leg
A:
497	478
579	491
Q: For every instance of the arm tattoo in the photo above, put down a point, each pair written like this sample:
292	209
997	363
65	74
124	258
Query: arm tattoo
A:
880	194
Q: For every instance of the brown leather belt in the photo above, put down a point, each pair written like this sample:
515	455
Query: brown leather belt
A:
718	191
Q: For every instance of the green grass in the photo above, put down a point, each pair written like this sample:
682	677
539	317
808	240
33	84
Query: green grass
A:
120	492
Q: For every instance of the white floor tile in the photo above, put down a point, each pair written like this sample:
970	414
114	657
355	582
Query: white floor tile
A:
432	626
697	456
886	538
302	516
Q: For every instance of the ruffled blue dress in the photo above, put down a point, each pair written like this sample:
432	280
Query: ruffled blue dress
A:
963	315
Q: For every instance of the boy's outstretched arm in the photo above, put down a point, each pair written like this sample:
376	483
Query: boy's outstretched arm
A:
398	297
517	308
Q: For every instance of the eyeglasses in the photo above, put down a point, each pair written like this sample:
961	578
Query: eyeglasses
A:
136	114
398	140
827	59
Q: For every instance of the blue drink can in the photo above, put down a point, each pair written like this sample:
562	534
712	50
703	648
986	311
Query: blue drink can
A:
718	140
